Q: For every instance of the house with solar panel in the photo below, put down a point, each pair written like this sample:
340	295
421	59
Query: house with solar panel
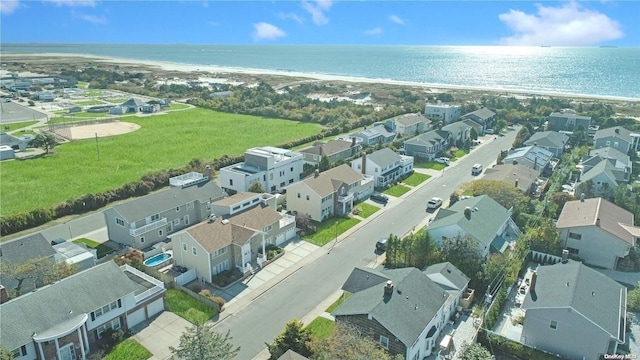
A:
533	157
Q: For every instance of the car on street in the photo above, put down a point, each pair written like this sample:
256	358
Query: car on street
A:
443	160
434	203
379	197
476	169
381	244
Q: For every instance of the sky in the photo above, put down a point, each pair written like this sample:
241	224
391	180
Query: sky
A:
379	22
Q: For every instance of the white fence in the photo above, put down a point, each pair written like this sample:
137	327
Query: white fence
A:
186	277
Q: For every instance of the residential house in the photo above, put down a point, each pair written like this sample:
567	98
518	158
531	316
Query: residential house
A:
334	150
292	355
19	251
150	108
13	142
621	161
373	136
240	202
272	167
552	141
522	177
617	137
384	165
460	133
481	119
402	310
67	319
534	157
428	145
442	112
600	179
133	105
574	311
142	222
411	124
329	193
232	241
567	120
479	217
597	231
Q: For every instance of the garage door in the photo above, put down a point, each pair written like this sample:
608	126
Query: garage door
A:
136	317
155	307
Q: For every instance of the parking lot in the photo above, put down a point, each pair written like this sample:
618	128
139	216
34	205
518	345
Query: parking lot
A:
11	112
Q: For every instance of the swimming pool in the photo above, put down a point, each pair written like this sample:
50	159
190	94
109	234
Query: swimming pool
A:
158	260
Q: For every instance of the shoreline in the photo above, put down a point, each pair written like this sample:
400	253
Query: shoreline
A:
216	69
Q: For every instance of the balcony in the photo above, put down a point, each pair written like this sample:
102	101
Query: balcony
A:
149	227
148	286
286	220
345	198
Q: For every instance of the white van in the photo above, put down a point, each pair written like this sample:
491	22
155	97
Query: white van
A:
476	169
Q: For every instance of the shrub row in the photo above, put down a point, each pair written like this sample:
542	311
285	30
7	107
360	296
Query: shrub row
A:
494	313
513	348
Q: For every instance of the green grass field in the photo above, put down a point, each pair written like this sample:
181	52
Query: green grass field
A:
327	230
458	154
321	327
338	302
163	142
16	126
116	100
176	106
129	349
88	102
187	307
429	165
367	210
416	179
397	190
102	249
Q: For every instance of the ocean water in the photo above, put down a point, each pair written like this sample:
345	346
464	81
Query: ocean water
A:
609	72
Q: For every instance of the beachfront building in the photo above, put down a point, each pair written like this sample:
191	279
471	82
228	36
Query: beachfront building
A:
617	137
373	136
567	120
481	119
271	167
428	145
442	112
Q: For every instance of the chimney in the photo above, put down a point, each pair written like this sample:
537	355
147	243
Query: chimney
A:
516	183
598	222
534	277
467	212
4	297
617	130
321	148
207	171
353	142
316	173
565	256
388	288
364	163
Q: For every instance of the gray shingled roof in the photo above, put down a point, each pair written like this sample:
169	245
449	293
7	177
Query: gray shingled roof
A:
329	148
450	272
291	355
611	153
603	167
548	139
456	127
410	119
481	114
43	309
415	300
483	224
587	291
363	278
612	217
168	199
23	249
384	157
623	133
327	182
429	138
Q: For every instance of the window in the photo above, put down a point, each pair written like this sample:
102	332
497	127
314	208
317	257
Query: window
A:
573	251
282	184
190	205
290	181
575	236
307	197
177	208
176	222
615	144
292	169
186	219
105	309
553	324
160	232
21	351
222	267
184	247
155	217
255	201
119	221
608	143
230	182
194	251
113	325
246	204
236	208
384	341
219	252
170	227
267	228
298	195
417	355
141	239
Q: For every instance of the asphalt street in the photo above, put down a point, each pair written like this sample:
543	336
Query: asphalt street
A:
264	318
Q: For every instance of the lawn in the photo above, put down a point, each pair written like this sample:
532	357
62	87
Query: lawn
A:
102	249
397	190
321	327
79	116
338	302
429	165
458	154
367	210
416	179
82	85
117	100
129	349
164	141
187	307
88	102
327	230
16	126
176	106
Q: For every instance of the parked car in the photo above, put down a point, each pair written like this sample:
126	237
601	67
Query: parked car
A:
434	203
476	169
381	244
443	160
379	197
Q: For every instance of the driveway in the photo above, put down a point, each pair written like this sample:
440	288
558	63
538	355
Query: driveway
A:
161	333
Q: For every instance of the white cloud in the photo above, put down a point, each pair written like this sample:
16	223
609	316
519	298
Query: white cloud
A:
73	3
291	16
317	11
396	19
93	19
8	6
374	31
567	25
266	31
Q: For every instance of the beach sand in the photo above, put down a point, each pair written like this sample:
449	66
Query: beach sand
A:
220	71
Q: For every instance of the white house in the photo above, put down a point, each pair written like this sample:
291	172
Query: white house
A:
442	112
384	165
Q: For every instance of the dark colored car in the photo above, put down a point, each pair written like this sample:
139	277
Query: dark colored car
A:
378	197
381	244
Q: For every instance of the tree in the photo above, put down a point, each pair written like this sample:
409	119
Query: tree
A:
633	298
256	187
5	354
463	253
45	142
33	273
545	238
474	351
347	342
294	337
500	125
503	193
201	342
473	134
522	136
325	164
303	222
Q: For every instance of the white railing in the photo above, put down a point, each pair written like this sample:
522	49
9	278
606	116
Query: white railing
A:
149	227
147	294
159	285
345	198
286	220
